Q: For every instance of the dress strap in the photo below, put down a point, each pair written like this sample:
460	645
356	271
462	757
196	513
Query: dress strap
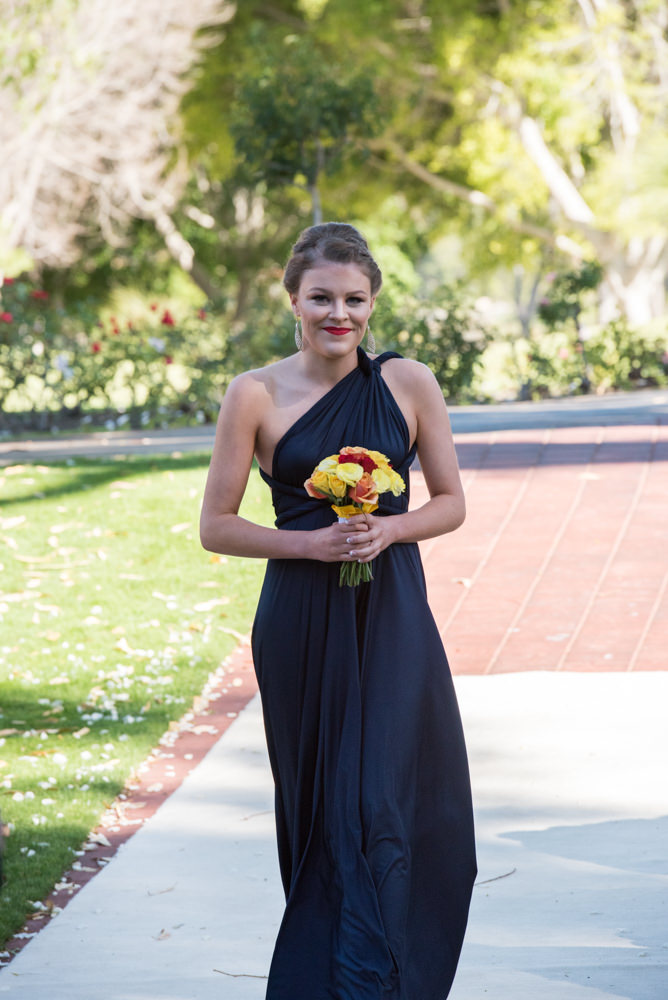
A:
385	356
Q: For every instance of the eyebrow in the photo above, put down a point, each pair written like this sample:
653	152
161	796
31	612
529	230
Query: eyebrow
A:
319	288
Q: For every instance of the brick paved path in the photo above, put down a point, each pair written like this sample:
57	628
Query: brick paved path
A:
562	563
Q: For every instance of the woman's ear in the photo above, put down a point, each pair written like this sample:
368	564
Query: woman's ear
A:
293	305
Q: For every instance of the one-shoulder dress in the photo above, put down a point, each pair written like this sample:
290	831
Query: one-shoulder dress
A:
373	801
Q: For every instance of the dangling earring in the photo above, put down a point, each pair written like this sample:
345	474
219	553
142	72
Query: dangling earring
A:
299	341
370	341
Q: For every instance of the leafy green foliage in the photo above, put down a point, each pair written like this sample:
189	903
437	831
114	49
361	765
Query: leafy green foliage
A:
614	357
299	117
565	299
623	358
442	332
525	133
56	360
551	365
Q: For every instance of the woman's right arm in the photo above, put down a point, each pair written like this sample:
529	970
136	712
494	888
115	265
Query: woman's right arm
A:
221	528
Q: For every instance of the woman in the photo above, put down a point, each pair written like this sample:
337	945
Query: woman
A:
373	808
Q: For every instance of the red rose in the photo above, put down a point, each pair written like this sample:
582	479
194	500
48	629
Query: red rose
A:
96	346
168	359
8	281
359	457
202	313
39	295
167	318
6	317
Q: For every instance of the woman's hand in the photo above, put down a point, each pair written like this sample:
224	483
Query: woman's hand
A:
359	539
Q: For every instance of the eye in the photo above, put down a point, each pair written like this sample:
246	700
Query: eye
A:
319	298
355	300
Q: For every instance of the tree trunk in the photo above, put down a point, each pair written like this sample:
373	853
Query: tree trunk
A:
183	253
634	282
640	298
316	204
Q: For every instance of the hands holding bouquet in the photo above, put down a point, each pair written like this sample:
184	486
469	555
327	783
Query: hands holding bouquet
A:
352	481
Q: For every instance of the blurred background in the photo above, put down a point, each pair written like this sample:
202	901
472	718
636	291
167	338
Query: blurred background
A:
508	163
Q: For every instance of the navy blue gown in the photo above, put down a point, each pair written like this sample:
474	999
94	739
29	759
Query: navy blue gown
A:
373	802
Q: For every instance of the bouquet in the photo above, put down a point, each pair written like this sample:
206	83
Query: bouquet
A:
352	482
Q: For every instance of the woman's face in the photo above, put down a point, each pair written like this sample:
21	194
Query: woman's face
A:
334	303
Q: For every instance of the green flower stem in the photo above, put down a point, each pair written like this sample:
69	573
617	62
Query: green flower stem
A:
353	573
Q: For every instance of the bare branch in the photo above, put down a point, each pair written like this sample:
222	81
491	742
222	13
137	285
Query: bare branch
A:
563	190
89	136
478	199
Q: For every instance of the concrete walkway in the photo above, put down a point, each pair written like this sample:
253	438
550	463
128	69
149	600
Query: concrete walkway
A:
553	602
571	904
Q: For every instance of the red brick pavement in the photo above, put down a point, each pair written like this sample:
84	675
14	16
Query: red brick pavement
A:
562	563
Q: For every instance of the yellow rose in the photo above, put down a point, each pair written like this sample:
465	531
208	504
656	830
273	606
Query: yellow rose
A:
337	487
381	460
320	481
387	480
397	485
349	472
329	464
382	479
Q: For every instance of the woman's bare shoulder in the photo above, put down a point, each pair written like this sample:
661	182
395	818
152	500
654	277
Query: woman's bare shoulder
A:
412	376
259	384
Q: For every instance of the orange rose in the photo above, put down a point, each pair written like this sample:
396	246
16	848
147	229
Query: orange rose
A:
312	492
364	491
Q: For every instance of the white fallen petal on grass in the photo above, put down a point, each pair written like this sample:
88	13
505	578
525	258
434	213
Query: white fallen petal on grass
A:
210	605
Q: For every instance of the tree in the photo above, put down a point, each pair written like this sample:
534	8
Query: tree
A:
552	125
298	118
89	128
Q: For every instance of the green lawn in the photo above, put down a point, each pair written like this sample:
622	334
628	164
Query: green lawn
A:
111	618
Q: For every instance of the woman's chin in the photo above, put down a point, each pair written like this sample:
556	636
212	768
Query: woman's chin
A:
335	347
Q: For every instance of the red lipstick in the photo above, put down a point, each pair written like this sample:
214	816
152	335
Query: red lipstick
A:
338	331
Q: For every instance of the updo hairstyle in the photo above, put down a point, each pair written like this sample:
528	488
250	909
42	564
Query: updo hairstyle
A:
337	242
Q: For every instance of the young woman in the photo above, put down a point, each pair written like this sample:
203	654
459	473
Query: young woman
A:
373	804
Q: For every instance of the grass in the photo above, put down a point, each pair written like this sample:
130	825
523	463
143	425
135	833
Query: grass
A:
111	618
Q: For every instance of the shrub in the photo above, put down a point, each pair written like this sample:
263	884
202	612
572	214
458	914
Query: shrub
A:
54	361
442	332
622	358
616	357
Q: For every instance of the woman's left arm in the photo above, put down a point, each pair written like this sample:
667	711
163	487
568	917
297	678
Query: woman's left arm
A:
446	508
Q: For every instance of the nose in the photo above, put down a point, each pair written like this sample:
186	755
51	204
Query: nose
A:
338	309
